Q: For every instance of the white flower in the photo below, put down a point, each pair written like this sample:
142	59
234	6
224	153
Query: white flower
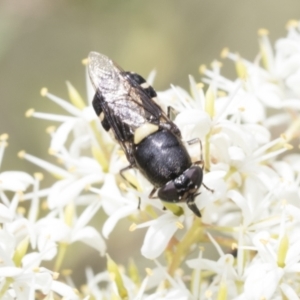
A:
69	228
159	234
288	186
24	273
223	270
11	181
269	82
274	262
75	180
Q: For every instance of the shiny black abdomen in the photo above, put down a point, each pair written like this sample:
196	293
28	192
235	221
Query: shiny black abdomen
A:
161	157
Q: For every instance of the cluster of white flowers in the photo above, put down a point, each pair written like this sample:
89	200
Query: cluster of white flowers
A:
252	217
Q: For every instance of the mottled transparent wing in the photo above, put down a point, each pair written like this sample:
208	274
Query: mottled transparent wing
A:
124	101
101	70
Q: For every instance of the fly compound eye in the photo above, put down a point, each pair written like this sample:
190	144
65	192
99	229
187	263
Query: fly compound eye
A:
195	175
168	192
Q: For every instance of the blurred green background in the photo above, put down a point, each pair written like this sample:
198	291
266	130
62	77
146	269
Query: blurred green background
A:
42	44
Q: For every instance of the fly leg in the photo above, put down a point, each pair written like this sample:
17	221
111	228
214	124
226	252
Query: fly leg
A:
151	195
201	161
171	113
130	183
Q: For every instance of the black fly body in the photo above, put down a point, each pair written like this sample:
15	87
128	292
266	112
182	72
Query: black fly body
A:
125	104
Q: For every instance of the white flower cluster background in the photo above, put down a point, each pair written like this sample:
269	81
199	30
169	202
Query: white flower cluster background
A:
249	127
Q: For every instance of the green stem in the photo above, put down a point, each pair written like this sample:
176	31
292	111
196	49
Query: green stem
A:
5	286
60	257
230	172
104	152
207	152
194	235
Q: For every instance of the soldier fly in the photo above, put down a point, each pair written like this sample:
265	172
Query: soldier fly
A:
126	105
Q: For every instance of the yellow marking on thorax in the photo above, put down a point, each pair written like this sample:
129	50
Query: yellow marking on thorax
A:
143	131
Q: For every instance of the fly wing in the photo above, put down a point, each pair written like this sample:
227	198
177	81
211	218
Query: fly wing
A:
102	70
143	95
124	101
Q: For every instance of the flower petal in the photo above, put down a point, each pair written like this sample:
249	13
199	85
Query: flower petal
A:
159	235
90	236
15	181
